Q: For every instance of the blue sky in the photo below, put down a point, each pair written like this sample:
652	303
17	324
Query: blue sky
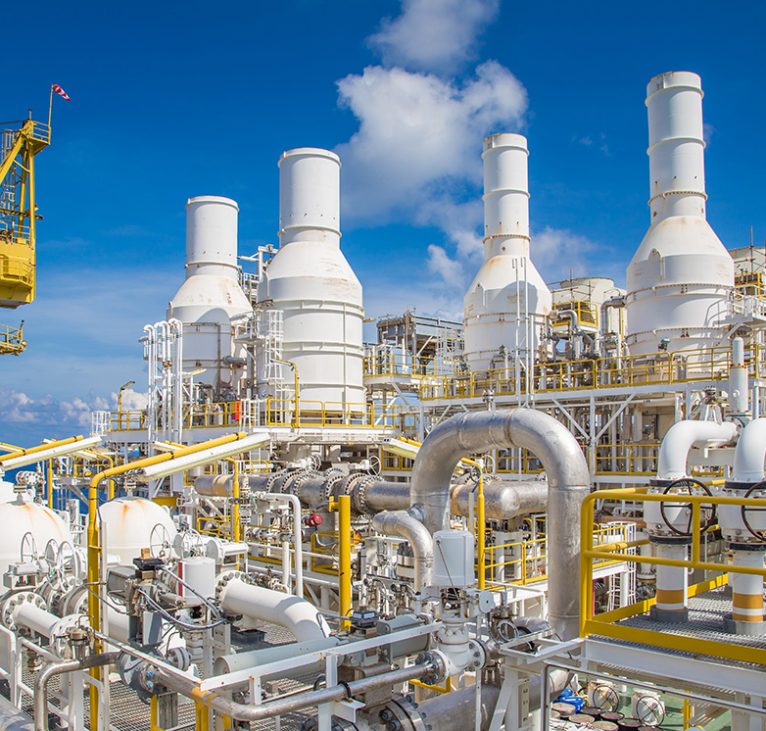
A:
173	99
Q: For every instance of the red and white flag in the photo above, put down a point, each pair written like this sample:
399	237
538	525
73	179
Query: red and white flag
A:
61	92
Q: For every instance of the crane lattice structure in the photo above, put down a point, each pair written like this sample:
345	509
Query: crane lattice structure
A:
19	144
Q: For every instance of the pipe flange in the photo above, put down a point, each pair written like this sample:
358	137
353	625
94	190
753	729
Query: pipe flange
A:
359	493
403	713
478	653
331	484
272	479
227	577
281	482
16	600
62	631
296	482
436	666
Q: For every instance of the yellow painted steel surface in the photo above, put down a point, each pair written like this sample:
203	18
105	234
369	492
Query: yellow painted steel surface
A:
607	624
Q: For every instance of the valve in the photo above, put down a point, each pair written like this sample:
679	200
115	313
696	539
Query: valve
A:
314	520
748	510
687	486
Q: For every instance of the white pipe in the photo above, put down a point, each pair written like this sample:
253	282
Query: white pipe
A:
401	523
750	454
295	504
45	454
738	381
676	145
38	620
180	464
682	436
258	603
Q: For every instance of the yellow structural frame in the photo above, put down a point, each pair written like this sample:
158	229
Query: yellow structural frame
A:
17	246
94	540
605	624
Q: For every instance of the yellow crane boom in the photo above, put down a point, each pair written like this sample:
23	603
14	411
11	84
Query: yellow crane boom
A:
19	144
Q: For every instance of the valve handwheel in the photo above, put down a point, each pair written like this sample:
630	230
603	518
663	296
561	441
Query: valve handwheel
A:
745	510
688	486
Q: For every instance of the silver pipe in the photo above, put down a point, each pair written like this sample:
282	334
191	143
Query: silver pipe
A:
401	523
60	668
293	703
13	719
568	483
503	499
456	711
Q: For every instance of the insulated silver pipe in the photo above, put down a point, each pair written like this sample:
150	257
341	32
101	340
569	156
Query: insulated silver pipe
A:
456	711
568	483
12	719
60	668
297	702
503	499
401	523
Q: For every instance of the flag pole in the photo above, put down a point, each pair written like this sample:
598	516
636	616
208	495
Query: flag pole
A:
50	112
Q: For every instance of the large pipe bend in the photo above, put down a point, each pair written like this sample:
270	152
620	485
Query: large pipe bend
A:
256	602
750	454
401	523
568	483
682	436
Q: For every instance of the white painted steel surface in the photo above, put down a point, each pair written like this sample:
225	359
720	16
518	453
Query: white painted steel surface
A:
210	297
133	523
313	285
22	517
681	276
508	301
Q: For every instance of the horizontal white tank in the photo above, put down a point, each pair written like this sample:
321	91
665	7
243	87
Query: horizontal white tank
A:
508	302
22	517
210	297
312	284
134	523
680	278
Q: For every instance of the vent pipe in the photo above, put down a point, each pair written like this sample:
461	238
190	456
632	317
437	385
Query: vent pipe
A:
680	277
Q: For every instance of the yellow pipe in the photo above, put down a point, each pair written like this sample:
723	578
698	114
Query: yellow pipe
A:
9	447
41	447
481	525
236	526
50	484
343	506
94	539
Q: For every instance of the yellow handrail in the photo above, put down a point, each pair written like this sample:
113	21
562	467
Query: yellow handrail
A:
606	624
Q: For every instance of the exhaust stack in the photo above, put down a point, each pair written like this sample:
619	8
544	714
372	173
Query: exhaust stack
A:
681	275
210	297
506	306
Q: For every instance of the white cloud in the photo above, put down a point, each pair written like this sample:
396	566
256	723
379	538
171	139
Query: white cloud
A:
433	35
419	136
439	262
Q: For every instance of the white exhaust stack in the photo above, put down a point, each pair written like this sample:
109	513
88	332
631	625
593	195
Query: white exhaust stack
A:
312	284
508	302
210	297
680	277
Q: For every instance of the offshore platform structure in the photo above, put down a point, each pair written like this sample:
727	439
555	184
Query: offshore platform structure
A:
547	516
20	142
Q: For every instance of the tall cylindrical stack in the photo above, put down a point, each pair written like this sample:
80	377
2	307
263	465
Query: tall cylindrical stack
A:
680	278
506	306
210	298
312	284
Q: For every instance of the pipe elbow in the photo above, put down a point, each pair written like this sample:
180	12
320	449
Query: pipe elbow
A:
682	436
750	454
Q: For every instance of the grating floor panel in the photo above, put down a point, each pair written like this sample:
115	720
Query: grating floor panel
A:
706	615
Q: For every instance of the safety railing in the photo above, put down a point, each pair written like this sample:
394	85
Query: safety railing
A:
661	368
12	340
608	624
521	563
390	363
329	414
627	459
585	311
